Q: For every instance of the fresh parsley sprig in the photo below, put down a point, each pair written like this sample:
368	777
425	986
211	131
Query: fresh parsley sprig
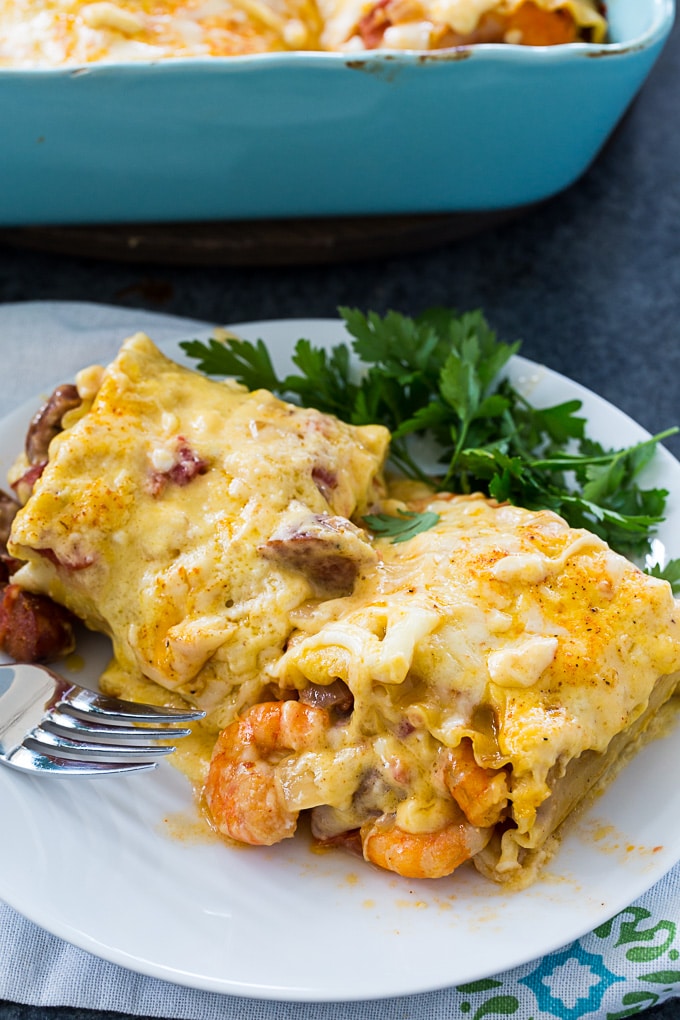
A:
670	573
442	375
401	526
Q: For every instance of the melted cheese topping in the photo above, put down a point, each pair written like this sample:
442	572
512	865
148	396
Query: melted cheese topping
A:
53	33
503	626
152	518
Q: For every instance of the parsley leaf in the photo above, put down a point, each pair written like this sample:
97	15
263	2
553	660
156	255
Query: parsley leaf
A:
249	363
442	375
670	573
400	528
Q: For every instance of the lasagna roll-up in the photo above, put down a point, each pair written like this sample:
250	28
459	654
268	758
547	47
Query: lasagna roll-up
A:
188	519
461	701
440	24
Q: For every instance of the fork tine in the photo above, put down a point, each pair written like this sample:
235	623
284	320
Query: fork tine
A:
52	743
90	704
49	726
25	760
59	720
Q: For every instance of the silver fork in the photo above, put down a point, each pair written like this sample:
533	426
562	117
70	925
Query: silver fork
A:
53	727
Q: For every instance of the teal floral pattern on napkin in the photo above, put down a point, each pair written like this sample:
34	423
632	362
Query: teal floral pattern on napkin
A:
623	967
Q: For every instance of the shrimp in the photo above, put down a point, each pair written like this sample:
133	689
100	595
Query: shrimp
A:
422	854
535	26
481	797
241	792
481	794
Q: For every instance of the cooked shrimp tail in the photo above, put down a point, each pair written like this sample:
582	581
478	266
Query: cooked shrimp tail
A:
481	793
242	794
422	854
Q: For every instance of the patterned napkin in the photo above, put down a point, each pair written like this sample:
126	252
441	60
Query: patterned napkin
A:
626	965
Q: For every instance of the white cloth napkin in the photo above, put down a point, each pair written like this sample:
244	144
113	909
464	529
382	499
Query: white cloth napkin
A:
628	964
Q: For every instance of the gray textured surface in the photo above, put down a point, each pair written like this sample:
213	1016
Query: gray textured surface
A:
669	1010
590	282
11	1011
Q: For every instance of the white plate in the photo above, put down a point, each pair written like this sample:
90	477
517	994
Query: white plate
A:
115	866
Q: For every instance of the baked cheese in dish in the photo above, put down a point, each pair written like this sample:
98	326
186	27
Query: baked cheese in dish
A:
461	701
441	24
187	519
55	33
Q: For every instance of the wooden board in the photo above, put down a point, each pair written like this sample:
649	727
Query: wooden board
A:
257	243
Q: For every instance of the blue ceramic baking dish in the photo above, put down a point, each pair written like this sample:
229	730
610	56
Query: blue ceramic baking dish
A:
317	134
